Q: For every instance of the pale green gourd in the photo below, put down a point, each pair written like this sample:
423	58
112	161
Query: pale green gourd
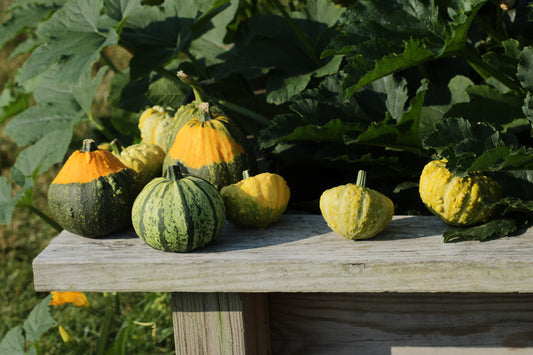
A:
355	211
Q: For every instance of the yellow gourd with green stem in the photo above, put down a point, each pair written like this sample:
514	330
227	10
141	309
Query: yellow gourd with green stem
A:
355	211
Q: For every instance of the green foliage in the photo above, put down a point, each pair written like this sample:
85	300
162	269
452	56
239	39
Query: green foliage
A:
376	85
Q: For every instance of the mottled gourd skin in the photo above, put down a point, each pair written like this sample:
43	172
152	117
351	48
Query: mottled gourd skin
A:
256	201
95	208
146	159
154	124
213	148
178	214
93	192
457	201
356	212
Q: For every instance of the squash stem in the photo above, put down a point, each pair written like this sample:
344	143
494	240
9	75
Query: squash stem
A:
89	145
115	145
361	178
205	113
174	172
198	92
245	174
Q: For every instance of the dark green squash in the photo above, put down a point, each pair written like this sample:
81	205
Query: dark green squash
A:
178	213
93	192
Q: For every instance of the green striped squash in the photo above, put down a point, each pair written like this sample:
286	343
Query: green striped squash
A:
178	213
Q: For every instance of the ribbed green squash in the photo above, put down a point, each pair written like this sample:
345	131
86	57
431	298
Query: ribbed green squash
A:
212	147
355	211
93	192
256	201
178	213
458	201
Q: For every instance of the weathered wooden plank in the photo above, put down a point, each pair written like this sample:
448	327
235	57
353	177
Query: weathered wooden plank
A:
220	323
297	254
397	323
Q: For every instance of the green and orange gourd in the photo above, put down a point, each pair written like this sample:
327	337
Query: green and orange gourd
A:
93	193
209	144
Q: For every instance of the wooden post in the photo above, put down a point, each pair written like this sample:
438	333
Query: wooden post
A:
220	323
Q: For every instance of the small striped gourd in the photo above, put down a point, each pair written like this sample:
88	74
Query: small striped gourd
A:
146	159
93	192
212	147
355	211
256	201
458	201
178	213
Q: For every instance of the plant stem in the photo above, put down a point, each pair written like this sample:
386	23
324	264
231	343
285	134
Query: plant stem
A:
481	67
297	30
105	325
45	217
109	62
100	126
361	178
246	112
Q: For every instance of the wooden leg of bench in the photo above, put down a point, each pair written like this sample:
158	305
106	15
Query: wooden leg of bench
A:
220	323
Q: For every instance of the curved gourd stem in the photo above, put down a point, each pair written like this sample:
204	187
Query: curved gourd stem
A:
199	94
361	178
245	174
88	145
173	172
115	145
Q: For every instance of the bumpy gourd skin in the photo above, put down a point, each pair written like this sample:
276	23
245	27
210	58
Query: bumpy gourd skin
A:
146	159
256	201
457	201
154	124
356	212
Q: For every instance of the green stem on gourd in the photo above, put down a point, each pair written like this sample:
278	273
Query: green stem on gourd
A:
88	145
361	178
45	217
245	174
205	113
199	94
115	145
174	173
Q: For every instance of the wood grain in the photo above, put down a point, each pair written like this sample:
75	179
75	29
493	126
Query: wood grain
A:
299	253
395	323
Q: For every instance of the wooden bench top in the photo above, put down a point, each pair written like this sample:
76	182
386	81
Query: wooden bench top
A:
299	253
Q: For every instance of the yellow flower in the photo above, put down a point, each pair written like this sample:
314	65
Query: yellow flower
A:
76	298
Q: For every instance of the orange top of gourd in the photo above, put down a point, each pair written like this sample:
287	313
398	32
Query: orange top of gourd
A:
221	147
88	164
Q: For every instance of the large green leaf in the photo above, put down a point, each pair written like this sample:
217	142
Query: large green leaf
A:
525	68
39	320
13	341
22	18
383	37
73	40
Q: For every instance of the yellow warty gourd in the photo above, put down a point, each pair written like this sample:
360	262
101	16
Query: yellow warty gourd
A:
458	201
256	201
355	211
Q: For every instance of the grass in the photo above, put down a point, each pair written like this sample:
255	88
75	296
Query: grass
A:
149	314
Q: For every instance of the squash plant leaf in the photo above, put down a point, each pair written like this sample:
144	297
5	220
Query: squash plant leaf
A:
72	39
13	342
383	37
39	320
525	68
287	49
